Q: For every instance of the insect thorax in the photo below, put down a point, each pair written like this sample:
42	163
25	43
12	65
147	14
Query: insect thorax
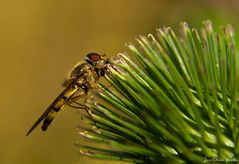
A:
82	73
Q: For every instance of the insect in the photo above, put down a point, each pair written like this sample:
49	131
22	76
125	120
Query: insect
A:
81	79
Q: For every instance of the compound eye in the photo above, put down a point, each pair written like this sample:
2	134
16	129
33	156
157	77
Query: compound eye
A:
93	57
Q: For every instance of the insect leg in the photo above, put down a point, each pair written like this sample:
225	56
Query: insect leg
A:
80	106
74	99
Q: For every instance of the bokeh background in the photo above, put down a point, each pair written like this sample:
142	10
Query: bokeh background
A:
40	40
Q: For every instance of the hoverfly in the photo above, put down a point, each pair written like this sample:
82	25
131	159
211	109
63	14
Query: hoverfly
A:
81	79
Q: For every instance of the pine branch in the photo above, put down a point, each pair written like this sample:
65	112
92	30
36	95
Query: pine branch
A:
177	103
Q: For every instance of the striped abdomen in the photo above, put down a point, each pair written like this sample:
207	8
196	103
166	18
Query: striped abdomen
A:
58	105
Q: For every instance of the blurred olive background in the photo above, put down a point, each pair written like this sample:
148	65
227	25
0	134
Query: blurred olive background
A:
40	40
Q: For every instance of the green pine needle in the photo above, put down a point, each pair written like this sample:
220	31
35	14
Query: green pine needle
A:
177	103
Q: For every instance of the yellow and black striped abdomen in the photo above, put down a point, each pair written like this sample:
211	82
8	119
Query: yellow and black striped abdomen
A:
57	105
